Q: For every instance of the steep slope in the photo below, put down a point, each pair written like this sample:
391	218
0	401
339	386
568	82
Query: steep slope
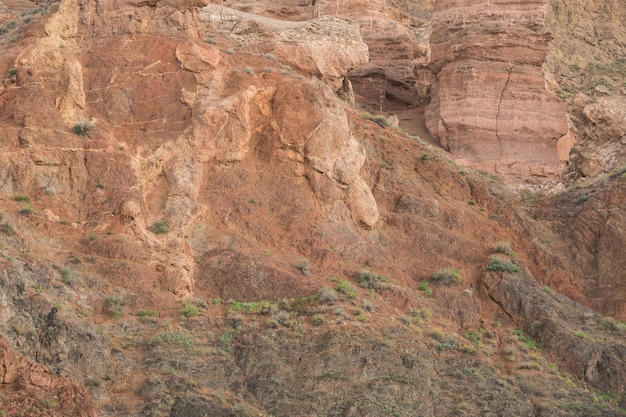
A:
195	225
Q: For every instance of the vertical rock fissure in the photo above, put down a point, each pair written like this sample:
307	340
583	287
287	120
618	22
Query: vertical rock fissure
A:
445	145
506	84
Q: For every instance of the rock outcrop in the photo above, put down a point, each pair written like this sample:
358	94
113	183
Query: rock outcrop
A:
587	69
489	105
30	389
327	47
601	122
590	221
562	326
213	118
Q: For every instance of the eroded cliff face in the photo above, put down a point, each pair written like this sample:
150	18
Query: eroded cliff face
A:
587	69
489	105
151	153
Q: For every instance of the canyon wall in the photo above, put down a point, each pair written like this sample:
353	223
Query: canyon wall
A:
489	105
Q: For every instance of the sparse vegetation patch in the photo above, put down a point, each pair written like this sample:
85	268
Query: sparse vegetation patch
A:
346	288
83	128
380	120
160	227
505	248
447	276
499	265
371	280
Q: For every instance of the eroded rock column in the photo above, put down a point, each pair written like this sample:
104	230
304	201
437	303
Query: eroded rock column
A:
489	104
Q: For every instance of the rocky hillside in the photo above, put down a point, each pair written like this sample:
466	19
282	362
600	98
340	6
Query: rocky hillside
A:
286	208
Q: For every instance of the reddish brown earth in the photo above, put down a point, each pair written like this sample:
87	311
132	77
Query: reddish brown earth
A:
201	249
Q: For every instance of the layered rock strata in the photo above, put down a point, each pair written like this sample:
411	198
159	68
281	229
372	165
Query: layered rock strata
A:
489	105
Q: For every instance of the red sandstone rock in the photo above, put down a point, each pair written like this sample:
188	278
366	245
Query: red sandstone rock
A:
26	385
489	104
326	47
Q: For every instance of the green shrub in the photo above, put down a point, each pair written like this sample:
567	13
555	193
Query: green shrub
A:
7	228
361	315
448	344
470	350
345	287
83	128
27	209
422	314
285	319
380	120
582	198
69	277
448	276
12	71
522	337
254	307
610	324
476	336
11	24
148	315
48	403
159	227
172	338
317	319
498	264
21	198
438	334
188	310
191	308
371	280
327	295
114	302
242	410
505	248
305	267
